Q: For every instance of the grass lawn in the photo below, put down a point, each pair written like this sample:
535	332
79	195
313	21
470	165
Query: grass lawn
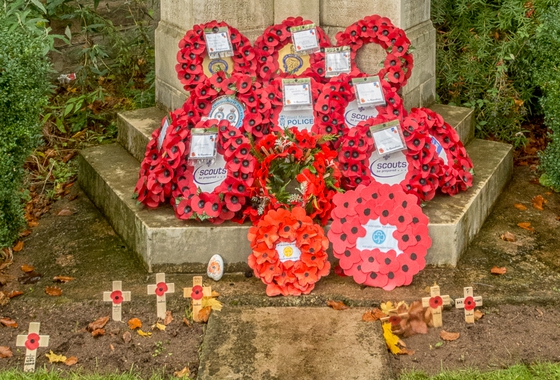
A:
544	371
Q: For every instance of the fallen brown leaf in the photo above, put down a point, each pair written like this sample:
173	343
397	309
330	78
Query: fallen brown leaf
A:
5	352
406	351
25	233
65	212
337	305
526	226
520	206
168	318
71	361
538	201
99	323
186	322
32	223
373	315
112	347
98	332
215	294
30	278
185	372
14	293
508	236
498	270
478	315
6	264
134	323
18	247
62	278
8	322
449	336
27	268
53	291
127	337
204	314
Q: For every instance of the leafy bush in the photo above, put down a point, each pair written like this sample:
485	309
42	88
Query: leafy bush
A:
23	85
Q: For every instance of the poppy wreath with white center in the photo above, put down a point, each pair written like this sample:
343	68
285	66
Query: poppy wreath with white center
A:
295	169
398	64
456	171
157	169
229	198
374	264
281	275
192	50
274	38
334	98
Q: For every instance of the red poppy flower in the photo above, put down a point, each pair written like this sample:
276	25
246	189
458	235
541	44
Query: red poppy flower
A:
436	302
356	272
197	292
117	297
32	342
161	289
469	303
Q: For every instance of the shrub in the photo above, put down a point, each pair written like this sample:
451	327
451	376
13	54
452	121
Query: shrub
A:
23	85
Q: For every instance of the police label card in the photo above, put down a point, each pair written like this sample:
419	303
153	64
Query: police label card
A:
337	61
304	38
388	137
218	42
368	90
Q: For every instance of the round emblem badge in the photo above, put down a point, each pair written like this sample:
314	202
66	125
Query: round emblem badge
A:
227	108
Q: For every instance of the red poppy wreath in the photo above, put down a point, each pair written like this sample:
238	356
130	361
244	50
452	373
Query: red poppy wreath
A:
274	53
295	169
398	64
193	58
289	252
379	234
216	191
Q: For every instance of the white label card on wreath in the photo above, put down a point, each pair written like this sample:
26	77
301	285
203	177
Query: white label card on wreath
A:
297	93
163	133
304	38
218	43
300	118
288	251
337	61
369	90
388	137
378	236
203	145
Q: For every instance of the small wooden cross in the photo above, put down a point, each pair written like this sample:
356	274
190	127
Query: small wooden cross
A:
160	289
196	293
436	302
32	341
117	296
394	313
468	303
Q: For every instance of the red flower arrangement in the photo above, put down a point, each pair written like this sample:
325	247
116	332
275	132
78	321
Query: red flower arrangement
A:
295	169
192	51
289	252
274	38
398	64
229	194
379	234
456	166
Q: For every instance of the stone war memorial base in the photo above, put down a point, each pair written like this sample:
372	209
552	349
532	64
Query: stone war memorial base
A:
109	173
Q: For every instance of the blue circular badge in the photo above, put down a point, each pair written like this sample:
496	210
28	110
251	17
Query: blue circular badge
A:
292	63
217	65
228	108
378	236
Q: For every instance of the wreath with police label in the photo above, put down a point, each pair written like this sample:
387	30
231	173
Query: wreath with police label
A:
379	234
193	53
226	197
278	37
398	64
289	252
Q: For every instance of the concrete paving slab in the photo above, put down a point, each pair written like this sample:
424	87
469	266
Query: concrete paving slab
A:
293	343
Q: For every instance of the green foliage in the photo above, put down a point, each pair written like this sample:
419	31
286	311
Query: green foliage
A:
24	83
518	372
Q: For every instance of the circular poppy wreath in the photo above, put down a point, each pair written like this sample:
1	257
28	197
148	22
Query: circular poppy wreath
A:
456	166
157	169
295	169
227	200
192	51
289	252
379	234
244	90
274	38
398	64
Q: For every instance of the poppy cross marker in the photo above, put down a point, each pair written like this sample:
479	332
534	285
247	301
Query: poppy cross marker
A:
394	317
160	289
436	302
196	293
468	303
32	341
117	296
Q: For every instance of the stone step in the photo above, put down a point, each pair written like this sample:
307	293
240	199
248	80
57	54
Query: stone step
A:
136	127
108	174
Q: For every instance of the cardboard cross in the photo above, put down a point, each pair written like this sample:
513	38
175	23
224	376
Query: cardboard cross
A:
117	296
436	302
196	293
468	303
32	341
160	289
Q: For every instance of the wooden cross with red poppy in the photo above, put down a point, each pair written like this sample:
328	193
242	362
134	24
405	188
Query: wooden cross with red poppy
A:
469	302
393	317
160	289
117	296
436	302
196	293
32	341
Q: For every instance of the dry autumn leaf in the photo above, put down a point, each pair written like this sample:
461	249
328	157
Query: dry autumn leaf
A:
62	278
134	323
373	315
32	223
212	302
18	247
185	372
27	268
99	323
168	318
186	322
71	361
55	358
449	336
405	351
127	337
5	352
8	322
25	233
478	315
538	202
65	212
498	270
144	334
391	339
337	305
526	226
215	294
159	326
14	293
98	332
53	291
520	206
508	236
204	314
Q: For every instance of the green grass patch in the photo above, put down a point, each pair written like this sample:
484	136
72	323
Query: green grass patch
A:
42	374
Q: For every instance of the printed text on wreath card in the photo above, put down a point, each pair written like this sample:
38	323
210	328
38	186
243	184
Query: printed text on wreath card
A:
288	251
